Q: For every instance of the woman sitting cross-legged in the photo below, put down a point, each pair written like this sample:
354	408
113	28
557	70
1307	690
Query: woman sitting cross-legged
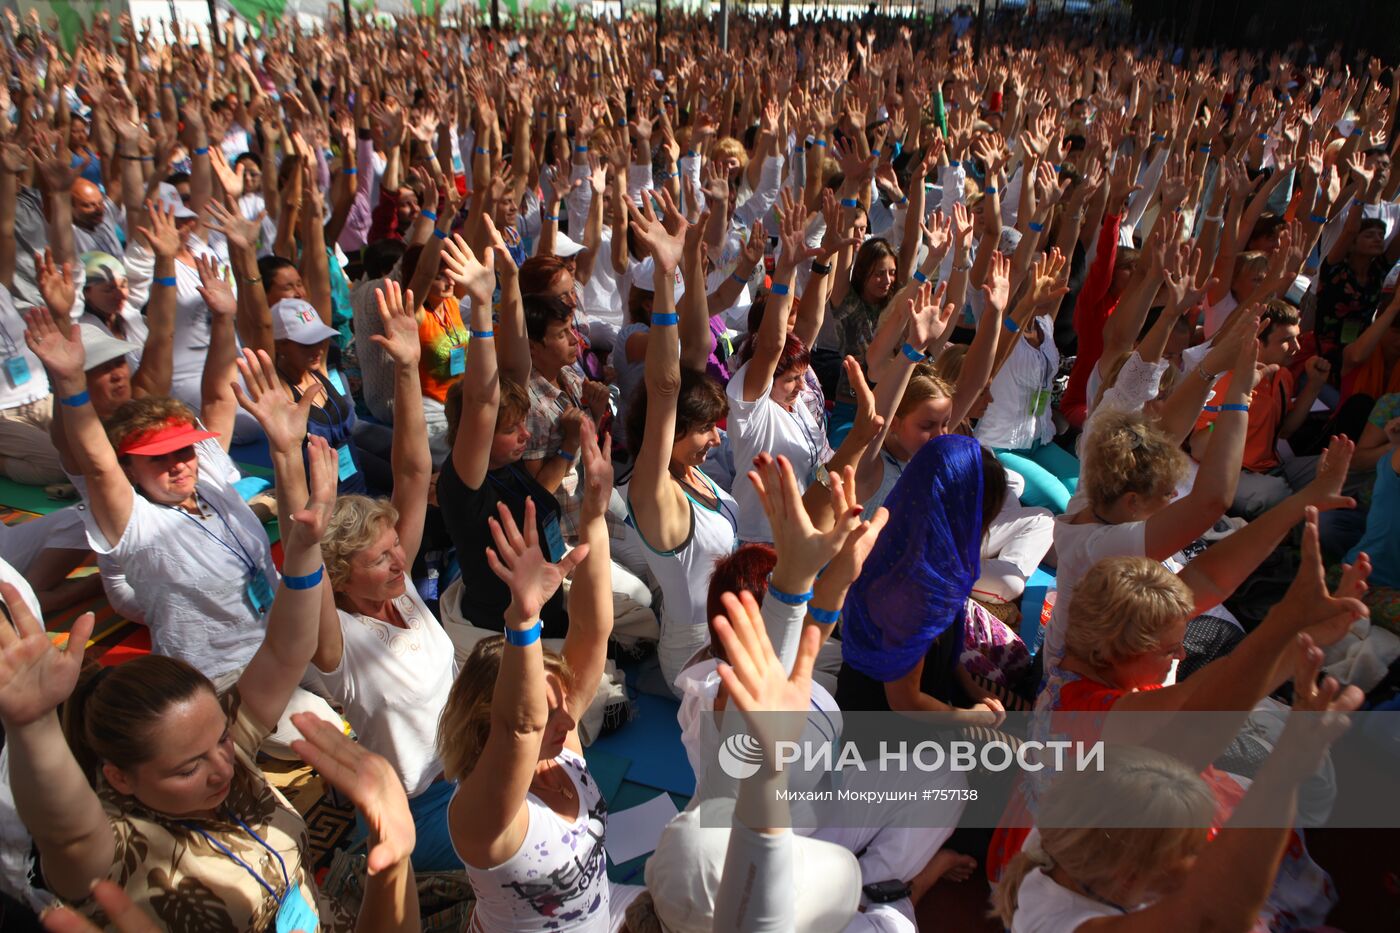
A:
527	818
151	781
381	653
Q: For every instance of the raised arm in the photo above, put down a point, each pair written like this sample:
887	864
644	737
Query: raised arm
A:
109	492
280	662
12	165
772	333
218	405
488	819
52	795
481	387
590	595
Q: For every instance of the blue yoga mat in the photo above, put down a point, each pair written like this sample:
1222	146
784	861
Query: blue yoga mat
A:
652	742
608	772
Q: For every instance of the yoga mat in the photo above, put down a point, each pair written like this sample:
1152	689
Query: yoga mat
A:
252	458
608	771
652	741
29	498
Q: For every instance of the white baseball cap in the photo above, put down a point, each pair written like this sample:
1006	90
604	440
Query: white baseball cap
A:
297	321
169	197
683	874
100	347
565	247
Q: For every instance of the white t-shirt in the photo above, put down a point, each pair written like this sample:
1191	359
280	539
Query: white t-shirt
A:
1044	906
190	575
1079	548
22	375
192	317
393	683
1020	414
765	426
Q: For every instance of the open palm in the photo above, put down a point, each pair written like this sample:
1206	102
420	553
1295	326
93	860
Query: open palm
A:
519	562
35	676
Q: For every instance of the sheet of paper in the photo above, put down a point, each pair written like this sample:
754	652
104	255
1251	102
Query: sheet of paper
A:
636	831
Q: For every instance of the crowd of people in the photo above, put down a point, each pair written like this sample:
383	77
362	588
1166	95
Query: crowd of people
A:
588	361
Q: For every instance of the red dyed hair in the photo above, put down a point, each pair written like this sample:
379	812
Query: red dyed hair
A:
745	569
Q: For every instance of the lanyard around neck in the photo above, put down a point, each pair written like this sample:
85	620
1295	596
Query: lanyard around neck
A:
286	879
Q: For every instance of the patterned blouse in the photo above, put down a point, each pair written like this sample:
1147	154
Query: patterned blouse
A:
169	868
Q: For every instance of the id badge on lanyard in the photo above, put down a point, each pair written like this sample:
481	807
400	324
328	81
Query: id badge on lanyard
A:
259	592
346	462
295	915
456	361
17	371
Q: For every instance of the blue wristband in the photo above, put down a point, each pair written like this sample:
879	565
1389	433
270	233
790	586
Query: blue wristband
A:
167	280
1234	407
954	163
739	278
1205	149
789	599
431	215
480	150
920	277
850	202
155	115
522	638
553	217
779	288
75	401
349	171
483	334
665	320
201	150
913	355
822	143
1035	227
1265	136
566	455
1011	325
824	616
1318	218
1158	138
875	153
306	582
580	149
989	190
439	234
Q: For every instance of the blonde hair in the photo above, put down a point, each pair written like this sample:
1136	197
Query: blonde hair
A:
1121	608
1123	454
355	523
1144	812
950	362
466	719
924	384
730	148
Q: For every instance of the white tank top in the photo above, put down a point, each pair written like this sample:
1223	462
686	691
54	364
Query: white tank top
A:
1043	906
557	879
892	469
684	575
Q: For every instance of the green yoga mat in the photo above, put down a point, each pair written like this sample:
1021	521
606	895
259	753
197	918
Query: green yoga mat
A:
29	498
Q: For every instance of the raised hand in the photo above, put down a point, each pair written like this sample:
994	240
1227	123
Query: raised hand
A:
55	285
521	565
1320	710
755	678
237	229
396	313
597	470
282	420
1309	606
929	316
162	233
323	468
664	248
35	676
370	782
1325	491
799	544
475	275
215	287
997	288
792	234
1048	275
58	345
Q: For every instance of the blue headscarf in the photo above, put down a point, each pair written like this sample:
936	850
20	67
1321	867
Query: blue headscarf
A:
917	579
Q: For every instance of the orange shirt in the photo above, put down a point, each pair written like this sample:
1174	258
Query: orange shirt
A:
1267	407
443	338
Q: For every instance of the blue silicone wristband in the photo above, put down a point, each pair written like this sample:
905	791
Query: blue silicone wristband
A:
306	582
739	278
1234	407
75	401
920	277
989	190
566	455
522	638
166	280
201	150
439	234
665	320
779	288
1011	325
349	171
912	354
790	599
483	334
580	149
1318	218
850	202
1036	228
431	215
824	616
